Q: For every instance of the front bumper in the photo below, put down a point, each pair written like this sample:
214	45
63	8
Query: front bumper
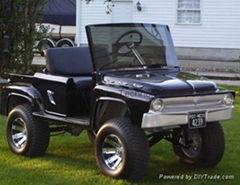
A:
176	111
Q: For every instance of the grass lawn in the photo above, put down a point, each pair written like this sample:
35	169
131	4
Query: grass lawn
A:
70	160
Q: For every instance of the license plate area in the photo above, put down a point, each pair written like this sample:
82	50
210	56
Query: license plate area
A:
197	120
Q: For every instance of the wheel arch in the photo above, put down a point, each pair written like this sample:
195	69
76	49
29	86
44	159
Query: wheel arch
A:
15	99
17	96
107	108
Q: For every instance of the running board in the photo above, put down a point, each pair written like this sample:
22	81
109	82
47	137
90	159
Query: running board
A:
83	120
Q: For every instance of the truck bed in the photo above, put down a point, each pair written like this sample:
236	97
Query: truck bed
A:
18	78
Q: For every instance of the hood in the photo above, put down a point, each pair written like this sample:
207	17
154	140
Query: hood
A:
162	83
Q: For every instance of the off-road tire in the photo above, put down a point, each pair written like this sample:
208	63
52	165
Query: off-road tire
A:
213	146
135	145
38	133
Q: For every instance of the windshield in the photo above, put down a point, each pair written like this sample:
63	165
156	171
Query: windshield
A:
117	46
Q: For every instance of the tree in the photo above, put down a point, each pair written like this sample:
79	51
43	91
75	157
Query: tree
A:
18	20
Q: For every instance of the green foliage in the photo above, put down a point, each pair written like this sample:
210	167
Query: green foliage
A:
18	21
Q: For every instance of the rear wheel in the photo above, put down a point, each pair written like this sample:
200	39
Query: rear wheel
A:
200	147
122	149
25	135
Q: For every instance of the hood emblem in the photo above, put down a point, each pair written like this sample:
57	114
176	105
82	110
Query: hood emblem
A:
137	86
50	97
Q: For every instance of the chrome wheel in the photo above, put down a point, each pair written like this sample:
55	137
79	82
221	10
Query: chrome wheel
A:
113	152
194	147
118	147
19	133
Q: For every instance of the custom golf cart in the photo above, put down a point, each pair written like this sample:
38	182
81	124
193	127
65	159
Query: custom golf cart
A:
127	91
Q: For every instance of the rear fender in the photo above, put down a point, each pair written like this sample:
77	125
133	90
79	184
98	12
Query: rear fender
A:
14	95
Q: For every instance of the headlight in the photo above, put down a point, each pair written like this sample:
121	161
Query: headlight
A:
228	99
156	105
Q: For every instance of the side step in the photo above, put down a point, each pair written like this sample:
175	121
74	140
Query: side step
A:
83	120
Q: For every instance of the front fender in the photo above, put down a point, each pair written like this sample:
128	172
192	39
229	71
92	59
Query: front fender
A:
136	102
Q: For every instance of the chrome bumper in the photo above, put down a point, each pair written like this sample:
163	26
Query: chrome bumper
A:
177	114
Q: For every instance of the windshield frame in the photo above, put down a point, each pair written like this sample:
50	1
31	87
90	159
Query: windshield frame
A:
171	63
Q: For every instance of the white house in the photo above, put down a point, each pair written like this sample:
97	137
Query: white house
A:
206	29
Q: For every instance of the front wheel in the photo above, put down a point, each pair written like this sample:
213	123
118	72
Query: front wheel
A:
202	147
121	149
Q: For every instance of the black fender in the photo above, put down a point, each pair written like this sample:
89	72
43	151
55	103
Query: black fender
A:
103	110
134	102
13	95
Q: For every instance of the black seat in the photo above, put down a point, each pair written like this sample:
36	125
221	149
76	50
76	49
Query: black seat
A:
72	62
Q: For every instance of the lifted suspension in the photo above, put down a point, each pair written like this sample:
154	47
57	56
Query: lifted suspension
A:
169	135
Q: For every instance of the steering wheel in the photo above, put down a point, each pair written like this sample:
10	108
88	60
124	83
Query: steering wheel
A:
123	48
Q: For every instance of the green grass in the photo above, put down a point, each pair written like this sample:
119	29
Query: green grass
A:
70	160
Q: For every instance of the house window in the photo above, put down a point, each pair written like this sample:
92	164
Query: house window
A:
188	12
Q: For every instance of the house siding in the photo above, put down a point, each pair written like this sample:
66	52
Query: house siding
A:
92	13
217	37
219	28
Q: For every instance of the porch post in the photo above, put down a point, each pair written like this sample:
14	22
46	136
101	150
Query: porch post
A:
78	22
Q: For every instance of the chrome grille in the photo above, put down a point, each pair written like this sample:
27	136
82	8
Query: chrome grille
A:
193	103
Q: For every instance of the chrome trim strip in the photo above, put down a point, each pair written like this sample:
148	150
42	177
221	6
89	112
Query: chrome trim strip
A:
20	95
105	98
50	77
55	113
